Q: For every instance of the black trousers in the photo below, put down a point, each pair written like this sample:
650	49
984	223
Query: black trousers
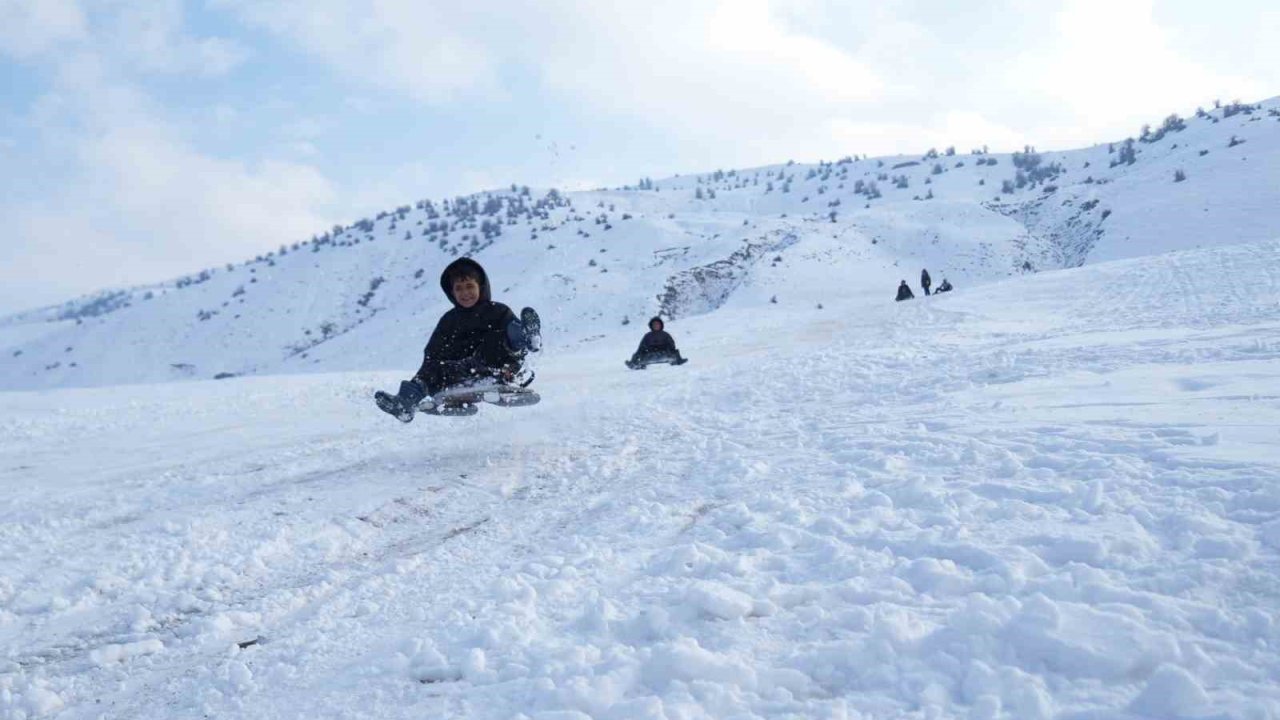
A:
438	376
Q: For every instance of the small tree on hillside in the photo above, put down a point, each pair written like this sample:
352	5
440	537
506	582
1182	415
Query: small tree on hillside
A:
1128	154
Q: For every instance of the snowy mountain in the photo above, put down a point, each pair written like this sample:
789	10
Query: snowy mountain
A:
776	240
1056	496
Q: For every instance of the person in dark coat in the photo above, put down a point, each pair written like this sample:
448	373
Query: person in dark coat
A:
925	281
904	292
477	339
656	344
944	287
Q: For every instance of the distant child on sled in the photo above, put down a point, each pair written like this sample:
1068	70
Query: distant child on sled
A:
657	346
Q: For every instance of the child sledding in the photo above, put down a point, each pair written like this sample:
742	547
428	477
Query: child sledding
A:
657	346
475	354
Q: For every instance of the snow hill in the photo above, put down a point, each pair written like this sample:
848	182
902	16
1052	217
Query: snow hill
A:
1056	496
778	240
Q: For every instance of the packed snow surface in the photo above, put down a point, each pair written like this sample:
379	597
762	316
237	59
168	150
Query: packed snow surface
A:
1056	496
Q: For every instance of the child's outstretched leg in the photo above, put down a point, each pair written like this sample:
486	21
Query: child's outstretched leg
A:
525	333
403	404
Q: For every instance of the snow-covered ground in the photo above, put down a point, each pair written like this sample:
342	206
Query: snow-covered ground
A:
1056	496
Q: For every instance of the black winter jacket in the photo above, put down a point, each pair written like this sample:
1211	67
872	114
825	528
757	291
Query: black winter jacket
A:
656	341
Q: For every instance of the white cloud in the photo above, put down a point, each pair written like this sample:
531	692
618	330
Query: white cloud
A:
307	128
430	50
136	199
707	63
142	202
215	56
33	27
729	83
224	115
1110	67
184	204
723	66
752	81
302	148
152	37
746	35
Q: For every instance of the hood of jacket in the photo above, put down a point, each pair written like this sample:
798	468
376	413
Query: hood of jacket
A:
472	267
656	319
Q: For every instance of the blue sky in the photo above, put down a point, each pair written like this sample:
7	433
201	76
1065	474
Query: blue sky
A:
141	140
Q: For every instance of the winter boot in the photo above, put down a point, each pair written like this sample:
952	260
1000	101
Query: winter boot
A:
532	325
403	404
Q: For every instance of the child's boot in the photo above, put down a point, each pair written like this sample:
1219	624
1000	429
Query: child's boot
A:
403	404
532	325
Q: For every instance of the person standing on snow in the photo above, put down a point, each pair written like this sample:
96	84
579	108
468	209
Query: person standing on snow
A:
925	281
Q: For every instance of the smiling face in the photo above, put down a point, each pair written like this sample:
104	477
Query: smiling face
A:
466	292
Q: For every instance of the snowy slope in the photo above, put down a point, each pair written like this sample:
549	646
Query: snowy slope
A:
599	263
1055	496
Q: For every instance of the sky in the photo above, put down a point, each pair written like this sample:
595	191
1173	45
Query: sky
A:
142	140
